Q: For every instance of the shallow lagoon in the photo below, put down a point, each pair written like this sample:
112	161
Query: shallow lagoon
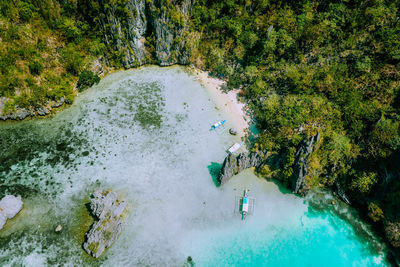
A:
144	133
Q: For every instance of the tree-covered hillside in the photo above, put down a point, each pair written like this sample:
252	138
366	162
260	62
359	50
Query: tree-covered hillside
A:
331	67
45	44
304	67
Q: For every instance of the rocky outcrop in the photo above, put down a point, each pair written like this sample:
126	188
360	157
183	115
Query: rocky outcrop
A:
233	131
301	164
126	26
171	30
107	208
22	113
234	164
9	207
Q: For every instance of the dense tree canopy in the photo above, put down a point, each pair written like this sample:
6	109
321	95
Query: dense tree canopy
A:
331	67
304	66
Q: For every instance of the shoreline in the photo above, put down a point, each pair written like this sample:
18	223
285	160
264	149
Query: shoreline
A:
212	86
227	103
50	108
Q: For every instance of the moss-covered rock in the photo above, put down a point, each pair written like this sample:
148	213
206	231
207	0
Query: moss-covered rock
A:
108	210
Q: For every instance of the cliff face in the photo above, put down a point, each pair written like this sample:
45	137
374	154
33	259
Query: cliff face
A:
126	26
301	164
234	164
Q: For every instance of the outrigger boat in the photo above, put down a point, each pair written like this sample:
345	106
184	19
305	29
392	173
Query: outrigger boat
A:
235	148
245	205
217	124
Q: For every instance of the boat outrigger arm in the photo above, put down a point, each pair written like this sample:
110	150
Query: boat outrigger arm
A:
217	124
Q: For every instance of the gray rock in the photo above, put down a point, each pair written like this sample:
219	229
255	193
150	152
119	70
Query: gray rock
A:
172	39
126	31
3	220
107	208
43	111
22	114
59	103
301	164
234	164
229	169
9	207
19	114
232	131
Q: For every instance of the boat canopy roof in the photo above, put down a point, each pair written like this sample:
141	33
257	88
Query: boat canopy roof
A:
234	148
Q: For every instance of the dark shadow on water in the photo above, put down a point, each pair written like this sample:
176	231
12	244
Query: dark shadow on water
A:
214	169
282	188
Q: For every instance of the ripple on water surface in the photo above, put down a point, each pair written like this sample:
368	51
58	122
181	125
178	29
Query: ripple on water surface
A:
144	133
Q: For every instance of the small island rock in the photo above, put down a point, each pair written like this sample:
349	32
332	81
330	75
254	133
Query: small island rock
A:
9	207
107	209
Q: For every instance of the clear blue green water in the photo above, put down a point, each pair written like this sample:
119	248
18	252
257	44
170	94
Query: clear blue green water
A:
145	134
320	240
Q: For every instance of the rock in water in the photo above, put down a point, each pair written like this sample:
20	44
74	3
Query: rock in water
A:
58	228
108	209
233	165
9	207
229	168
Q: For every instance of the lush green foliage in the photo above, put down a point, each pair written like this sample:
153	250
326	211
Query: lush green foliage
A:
44	46
331	67
87	79
308	66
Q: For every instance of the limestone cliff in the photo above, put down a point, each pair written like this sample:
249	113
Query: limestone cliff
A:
171	29
301	164
129	24
234	164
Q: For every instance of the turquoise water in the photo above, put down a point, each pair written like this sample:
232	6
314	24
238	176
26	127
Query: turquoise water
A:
319	241
145	134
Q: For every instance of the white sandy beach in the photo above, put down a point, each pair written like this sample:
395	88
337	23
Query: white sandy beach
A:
227	103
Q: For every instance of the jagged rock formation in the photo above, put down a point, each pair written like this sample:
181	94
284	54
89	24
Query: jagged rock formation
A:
234	164
171	30
301	164
126	28
107	209
9	207
22	113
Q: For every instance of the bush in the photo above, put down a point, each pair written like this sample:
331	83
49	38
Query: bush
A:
363	182
73	60
25	11
35	67
87	79
375	212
